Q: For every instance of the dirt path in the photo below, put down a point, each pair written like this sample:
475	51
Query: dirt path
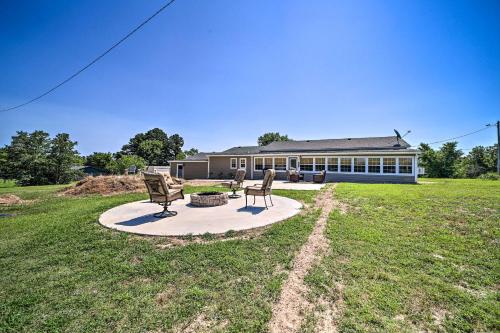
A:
293	304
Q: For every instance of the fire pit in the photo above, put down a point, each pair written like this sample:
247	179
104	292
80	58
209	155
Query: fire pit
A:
209	199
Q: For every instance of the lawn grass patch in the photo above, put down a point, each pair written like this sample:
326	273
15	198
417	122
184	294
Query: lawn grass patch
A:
414	257
62	271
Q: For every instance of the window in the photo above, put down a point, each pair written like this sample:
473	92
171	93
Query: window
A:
359	164
405	165
389	165
320	163
345	164
374	165
268	163
243	163
234	163
280	163
333	164
306	163
259	163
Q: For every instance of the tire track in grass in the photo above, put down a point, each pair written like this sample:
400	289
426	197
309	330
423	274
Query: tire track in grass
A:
292	305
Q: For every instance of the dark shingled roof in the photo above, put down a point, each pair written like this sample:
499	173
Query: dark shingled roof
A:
326	145
385	142
365	145
197	157
241	150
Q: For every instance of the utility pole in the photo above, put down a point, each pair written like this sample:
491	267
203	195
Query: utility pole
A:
498	147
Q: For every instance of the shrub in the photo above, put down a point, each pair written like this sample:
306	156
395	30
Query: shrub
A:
489	176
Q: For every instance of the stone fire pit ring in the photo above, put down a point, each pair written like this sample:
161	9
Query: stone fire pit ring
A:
209	199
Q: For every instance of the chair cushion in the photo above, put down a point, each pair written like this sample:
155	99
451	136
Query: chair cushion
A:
232	185
254	190
168	179
174	194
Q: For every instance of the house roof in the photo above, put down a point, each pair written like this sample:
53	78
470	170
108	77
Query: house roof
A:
194	158
383	144
197	157
387	143
241	150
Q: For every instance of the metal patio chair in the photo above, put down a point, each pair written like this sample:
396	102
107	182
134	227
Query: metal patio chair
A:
261	190
237	183
160	193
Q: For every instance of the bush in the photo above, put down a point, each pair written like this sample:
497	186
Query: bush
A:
489	176
120	165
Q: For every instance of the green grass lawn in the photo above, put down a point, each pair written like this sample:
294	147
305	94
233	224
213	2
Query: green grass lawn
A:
403	258
414	257
61	271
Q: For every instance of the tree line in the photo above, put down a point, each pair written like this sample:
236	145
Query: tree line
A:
450	162
37	159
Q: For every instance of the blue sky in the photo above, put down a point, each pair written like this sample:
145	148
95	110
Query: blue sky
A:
220	73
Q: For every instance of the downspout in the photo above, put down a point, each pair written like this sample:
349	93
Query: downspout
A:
208	168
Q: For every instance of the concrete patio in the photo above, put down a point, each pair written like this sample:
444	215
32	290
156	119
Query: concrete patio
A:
137	217
277	184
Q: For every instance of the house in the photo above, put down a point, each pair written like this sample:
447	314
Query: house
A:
372	159
87	170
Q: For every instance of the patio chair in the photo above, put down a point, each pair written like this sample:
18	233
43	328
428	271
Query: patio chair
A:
319	177
261	190
292	175
237	183
160	193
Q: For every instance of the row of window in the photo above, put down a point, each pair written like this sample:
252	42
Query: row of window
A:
234	163
341	164
263	163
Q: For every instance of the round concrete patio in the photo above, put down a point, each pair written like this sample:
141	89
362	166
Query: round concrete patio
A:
137	217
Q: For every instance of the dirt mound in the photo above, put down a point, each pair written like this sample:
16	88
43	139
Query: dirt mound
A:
106	185
10	199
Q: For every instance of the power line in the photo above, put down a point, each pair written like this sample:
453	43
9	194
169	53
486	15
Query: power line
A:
461	136
93	61
458	137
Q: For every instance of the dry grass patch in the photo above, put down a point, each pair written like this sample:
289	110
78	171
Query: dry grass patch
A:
10	199
106	185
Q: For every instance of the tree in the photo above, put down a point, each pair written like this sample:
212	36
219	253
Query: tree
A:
441	163
35	159
3	164
449	156
154	146
27	158
183	154
121	164
99	160
62	156
152	151
191	152
480	160
267	138
175	144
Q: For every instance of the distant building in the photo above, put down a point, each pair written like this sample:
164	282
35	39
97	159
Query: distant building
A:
89	170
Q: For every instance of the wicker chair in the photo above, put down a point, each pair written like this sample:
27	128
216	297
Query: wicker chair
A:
261	190
160	193
237	183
